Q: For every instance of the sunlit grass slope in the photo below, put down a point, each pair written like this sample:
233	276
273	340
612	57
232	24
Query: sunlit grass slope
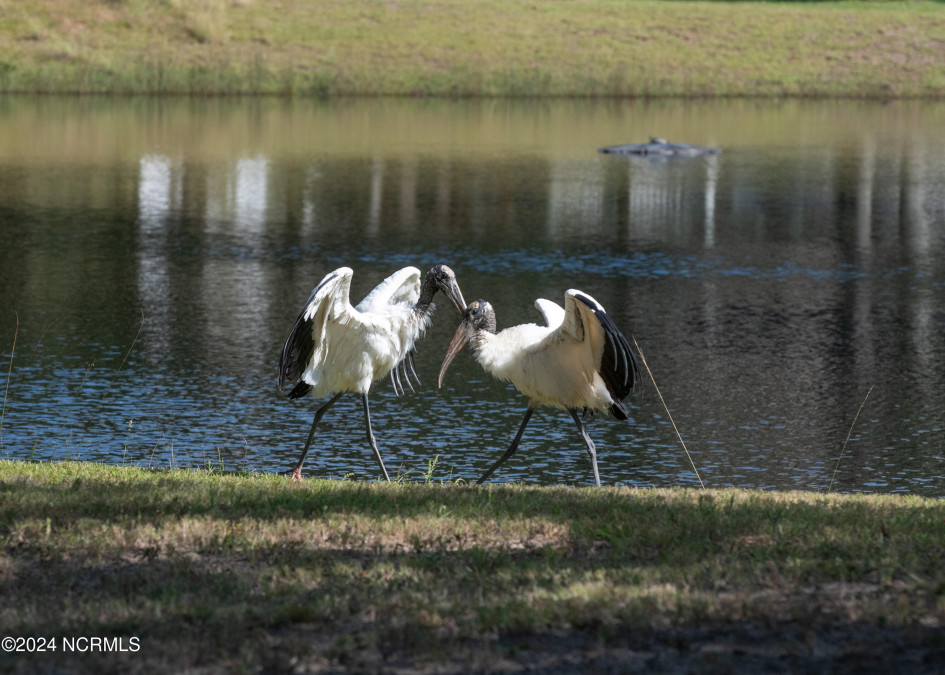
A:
487	47
252	571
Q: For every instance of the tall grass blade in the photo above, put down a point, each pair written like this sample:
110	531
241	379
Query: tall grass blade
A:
668	414
70	449
127	353
3	411
120	366
125	358
847	440
39	342
431	467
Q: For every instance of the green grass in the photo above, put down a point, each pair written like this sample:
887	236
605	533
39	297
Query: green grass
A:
487	48
239	572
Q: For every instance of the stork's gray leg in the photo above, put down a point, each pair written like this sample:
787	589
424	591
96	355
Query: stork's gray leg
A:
591	450
296	473
512	448
370	435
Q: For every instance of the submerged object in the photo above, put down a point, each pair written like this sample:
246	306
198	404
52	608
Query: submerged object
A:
660	147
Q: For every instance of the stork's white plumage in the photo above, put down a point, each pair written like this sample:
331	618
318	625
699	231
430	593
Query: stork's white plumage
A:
335	348
552	311
579	361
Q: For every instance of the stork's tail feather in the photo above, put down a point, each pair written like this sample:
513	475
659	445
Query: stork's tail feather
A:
620	410
300	390
395	376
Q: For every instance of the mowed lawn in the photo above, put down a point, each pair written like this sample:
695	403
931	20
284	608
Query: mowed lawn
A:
254	571
483	48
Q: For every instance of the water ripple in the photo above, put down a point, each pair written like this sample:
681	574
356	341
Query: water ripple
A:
649	265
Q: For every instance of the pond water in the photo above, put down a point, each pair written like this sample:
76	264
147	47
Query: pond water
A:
155	254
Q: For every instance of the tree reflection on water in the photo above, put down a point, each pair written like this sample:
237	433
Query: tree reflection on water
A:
770	286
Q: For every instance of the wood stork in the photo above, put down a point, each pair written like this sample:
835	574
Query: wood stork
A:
579	361
335	348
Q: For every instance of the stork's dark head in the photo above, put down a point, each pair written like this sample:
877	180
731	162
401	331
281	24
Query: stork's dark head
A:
442	278
478	317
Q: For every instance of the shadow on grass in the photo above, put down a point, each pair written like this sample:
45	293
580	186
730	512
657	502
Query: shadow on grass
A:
281	610
258	572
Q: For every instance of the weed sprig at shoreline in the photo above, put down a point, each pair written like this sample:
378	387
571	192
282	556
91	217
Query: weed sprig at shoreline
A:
450	48
222	570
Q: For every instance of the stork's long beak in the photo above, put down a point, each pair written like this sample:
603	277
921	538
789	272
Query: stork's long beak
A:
460	338
455	295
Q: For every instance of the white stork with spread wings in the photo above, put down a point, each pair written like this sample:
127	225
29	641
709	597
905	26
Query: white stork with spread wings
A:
335	348
579	362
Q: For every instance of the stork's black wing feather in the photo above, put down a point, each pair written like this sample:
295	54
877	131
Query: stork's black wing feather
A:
618	367
300	390
297	352
300	345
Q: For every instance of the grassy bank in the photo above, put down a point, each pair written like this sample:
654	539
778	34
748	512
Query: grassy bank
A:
455	48
254	571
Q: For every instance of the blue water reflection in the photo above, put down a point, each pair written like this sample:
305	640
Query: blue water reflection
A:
155	277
